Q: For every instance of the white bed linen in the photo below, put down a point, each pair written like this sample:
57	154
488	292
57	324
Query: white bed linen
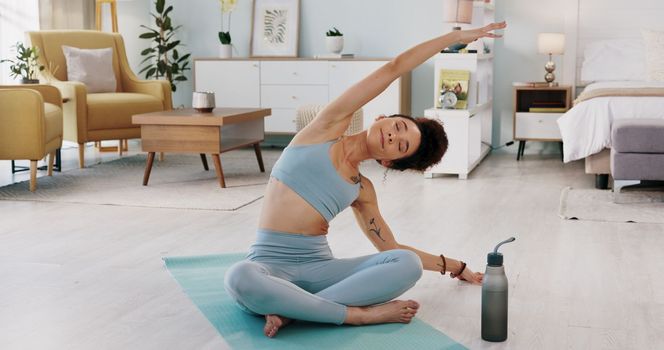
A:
586	128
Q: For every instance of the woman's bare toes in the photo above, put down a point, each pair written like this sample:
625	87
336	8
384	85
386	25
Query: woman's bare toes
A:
273	323
413	304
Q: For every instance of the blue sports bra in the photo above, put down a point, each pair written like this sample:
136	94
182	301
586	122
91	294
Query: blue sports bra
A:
308	170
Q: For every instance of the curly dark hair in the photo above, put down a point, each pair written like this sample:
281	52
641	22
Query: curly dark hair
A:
433	145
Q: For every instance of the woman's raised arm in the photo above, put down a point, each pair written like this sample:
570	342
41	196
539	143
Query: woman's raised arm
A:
336	115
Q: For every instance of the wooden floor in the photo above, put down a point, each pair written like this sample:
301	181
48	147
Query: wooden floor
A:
88	276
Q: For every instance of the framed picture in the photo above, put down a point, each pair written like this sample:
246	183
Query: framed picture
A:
275	28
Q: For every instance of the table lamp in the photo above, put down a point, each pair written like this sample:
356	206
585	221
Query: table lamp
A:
457	11
551	44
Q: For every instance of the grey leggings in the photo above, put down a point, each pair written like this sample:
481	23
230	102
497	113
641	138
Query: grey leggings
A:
296	276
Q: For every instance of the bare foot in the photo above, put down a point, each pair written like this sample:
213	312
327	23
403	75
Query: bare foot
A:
397	311
273	323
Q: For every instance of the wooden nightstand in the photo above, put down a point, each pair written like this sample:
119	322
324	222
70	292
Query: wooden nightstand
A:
536	110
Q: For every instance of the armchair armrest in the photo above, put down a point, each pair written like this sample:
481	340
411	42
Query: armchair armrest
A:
160	89
22	126
49	93
74	112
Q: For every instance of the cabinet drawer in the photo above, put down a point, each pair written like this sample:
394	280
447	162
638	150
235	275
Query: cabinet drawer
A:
235	83
281	120
292	96
299	72
537	126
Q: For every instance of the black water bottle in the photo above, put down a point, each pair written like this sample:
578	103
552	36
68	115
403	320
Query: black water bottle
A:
494	297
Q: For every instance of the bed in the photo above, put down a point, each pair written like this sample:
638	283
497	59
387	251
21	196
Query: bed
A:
620	88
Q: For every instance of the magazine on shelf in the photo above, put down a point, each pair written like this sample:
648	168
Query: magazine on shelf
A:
547	109
457	82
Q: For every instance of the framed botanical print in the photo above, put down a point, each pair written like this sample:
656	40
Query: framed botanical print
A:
275	28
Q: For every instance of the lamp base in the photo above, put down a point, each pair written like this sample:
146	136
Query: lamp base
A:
549	77
549	67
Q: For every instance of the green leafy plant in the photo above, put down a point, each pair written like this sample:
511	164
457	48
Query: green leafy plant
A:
25	65
227	6
162	58
334	32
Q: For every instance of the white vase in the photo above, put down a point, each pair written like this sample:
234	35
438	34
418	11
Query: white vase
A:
334	44
226	51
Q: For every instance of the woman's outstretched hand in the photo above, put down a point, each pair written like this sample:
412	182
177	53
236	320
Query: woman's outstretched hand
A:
471	277
470	35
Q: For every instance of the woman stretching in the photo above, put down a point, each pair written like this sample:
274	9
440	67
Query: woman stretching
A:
290	272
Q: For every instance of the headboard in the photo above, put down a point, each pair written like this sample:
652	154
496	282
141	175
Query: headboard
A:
591	20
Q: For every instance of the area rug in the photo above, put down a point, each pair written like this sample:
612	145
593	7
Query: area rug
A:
179	182
202	279
604	205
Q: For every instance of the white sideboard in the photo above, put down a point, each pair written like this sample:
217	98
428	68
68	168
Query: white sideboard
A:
285	84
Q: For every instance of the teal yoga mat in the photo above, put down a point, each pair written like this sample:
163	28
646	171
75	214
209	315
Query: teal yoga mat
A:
202	278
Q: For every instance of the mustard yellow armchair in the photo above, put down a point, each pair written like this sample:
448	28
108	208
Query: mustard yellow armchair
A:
30	125
98	116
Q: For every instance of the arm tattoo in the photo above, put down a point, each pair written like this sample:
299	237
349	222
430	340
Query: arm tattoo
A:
375	229
357	180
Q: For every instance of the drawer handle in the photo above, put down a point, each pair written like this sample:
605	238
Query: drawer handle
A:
294	97
334	66
294	73
255	65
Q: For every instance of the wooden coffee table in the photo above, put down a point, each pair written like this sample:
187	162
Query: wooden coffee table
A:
188	131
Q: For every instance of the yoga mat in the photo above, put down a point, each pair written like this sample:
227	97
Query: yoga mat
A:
202	278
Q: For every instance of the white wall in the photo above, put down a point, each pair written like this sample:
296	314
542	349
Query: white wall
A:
16	17
367	33
517	58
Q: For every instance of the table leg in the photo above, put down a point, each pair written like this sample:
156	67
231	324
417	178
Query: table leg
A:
204	160
259	157
519	153
562	154
148	168
220	171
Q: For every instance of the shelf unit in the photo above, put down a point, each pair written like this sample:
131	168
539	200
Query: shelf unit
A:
468	130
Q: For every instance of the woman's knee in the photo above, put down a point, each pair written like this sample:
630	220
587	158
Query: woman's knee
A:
409	263
242	279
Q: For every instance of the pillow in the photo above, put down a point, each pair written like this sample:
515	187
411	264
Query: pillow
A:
615	59
654	42
92	67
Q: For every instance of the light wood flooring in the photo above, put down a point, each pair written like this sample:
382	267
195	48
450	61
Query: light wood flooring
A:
91	277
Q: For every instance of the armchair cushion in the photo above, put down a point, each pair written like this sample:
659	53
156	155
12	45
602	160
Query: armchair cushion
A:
114	110
92	67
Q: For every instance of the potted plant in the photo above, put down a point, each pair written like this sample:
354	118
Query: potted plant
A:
227	7
25	65
162	57
334	40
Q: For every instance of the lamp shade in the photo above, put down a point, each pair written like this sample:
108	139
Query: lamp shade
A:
458	11
551	43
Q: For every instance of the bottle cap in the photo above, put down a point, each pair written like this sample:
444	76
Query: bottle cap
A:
494	259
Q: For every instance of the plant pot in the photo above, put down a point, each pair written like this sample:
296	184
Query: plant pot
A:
226	51
334	44
29	81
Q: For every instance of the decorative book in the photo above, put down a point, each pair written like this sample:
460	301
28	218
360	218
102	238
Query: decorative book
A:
457	82
547	110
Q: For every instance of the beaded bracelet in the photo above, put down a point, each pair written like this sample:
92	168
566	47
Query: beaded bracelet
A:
444	270
463	267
